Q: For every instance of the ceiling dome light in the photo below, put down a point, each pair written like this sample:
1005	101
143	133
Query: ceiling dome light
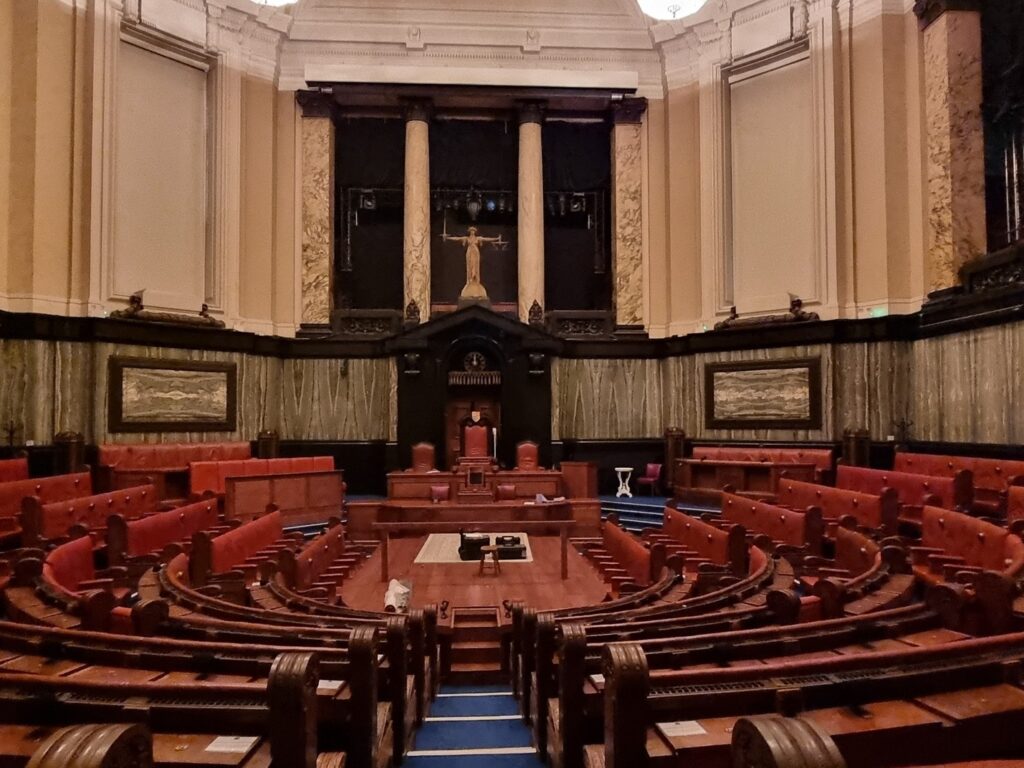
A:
275	3
667	10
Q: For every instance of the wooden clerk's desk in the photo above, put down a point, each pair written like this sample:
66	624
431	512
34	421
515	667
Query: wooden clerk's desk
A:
528	483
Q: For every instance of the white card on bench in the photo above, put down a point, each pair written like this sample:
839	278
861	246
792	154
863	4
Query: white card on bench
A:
679	728
232	744
597	679
329	686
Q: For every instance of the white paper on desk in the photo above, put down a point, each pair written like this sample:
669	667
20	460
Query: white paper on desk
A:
597	679
329	686
681	728
232	744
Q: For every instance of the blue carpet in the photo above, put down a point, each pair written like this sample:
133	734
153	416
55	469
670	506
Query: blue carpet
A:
475	689
483	734
474	761
455	737
479	706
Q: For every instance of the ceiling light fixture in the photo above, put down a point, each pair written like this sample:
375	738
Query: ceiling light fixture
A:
275	3
667	10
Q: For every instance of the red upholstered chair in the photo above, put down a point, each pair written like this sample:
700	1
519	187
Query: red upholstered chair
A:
423	457
650	478
439	493
475	439
506	492
527	453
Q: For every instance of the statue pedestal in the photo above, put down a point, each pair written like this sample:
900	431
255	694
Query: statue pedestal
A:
473	301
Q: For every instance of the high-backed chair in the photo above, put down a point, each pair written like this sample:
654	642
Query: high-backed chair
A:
650	478
475	438
423	457
527	456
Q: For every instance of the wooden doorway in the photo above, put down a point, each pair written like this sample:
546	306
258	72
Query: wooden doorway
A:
460	405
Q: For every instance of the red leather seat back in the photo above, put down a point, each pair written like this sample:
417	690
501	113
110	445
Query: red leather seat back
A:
323	463
318	555
527	456
628	551
821	458
1015	504
439	493
423	457
93	511
47	489
506	492
836	503
13	469
855	552
232	548
910	488
781	525
204	477
978	542
153	533
476	444
989	474
703	538
169	456
70	564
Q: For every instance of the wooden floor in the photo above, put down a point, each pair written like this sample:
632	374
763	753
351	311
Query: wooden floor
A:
537	583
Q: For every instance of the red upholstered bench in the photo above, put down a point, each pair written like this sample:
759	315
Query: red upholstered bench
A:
801	530
1015	509
165	465
210	477
913	491
992	477
13	469
952	543
162	533
631	561
821	458
319	567
43	523
701	542
71	568
874	512
244	549
46	489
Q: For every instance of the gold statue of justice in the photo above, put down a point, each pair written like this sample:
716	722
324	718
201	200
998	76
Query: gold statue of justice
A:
473	290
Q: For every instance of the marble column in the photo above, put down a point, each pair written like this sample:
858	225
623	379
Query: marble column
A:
317	137
627	210
956	147
417	211
531	213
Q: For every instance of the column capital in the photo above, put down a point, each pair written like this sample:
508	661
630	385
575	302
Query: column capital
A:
629	111
314	103
928	11
417	109
531	112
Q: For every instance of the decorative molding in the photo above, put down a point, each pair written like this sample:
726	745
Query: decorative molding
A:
928	11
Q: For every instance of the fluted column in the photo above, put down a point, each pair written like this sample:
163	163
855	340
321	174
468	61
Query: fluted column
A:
956	148
417	211
531	213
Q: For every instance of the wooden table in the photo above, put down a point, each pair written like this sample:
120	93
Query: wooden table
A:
529	527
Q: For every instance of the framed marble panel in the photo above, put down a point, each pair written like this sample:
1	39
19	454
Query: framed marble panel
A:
776	394
150	395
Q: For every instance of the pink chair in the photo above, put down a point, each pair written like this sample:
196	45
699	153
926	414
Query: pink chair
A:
650	478
439	493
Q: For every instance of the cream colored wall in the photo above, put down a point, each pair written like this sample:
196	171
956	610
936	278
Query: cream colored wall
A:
887	213
656	237
682	187
256	258
6	71
50	120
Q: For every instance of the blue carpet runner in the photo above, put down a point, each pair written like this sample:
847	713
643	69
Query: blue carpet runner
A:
473	726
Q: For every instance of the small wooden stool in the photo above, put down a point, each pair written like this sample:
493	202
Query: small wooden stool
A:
495	559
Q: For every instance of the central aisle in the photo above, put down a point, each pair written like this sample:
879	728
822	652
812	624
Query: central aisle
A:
474	727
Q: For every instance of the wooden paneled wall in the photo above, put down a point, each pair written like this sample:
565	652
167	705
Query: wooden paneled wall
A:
47	387
862	385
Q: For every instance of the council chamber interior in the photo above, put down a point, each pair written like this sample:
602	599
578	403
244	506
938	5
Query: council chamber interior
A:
449	383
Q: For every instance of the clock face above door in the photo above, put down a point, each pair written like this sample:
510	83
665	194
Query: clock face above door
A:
474	361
